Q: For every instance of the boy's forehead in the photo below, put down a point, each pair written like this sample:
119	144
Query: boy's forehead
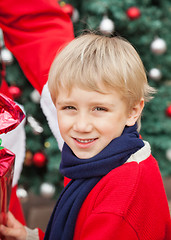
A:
98	87
67	95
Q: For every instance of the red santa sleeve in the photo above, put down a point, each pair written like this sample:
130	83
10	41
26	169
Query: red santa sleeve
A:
41	234
103	226
34	32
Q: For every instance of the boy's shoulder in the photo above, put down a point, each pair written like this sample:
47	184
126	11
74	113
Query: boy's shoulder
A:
134	192
122	185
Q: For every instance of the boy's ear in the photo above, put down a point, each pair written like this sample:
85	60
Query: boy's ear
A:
134	113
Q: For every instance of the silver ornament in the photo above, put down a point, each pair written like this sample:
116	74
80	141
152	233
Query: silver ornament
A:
155	74
168	154
35	125
158	46
75	16
35	96
6	56
106	26
47	190
22	193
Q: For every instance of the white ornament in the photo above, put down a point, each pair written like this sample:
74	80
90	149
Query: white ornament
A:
106	26
47	190
155	74
158	46
6	56
21	193
35	96
75	16
168	154
35	125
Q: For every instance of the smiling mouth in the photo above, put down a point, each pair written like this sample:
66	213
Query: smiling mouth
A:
84	141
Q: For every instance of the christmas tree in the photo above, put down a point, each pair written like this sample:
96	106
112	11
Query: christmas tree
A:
146	24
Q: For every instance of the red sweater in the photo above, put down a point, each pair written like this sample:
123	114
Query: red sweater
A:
128	203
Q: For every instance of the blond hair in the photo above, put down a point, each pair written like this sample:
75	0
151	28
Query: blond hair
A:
100	63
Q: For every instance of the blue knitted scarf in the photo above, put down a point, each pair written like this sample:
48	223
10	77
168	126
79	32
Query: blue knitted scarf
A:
85	174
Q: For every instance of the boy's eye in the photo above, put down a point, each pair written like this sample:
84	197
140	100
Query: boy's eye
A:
100	109
69	108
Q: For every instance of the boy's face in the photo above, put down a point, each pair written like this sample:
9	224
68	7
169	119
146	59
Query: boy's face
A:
89	121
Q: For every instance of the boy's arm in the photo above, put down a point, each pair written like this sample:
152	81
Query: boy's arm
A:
104	226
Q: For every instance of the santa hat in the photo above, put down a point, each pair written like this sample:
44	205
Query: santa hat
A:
34	33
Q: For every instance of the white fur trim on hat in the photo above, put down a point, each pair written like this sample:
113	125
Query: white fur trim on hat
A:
49	111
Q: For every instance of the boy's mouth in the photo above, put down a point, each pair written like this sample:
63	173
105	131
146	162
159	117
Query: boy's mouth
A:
84	141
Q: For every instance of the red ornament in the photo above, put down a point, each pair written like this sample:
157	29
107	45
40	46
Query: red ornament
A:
39	159
15	92
68	8
133	13
168	111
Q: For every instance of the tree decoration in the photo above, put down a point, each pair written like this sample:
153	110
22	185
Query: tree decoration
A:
168	111
6	56
35	96
168	154
155	74
133	13
75	16
15	92
22	193
67	8
28	158
158	46
47	190
47	144
39	159
35	125
106	26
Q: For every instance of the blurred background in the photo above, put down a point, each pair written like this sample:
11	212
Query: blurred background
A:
146	24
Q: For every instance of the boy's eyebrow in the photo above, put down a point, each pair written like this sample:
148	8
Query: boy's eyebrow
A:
103	104
65	102
91	103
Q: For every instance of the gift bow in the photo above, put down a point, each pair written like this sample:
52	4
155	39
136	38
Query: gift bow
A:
10	114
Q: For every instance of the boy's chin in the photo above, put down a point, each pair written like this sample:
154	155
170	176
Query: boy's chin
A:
84	155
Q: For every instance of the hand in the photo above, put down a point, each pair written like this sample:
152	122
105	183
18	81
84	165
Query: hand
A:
14	229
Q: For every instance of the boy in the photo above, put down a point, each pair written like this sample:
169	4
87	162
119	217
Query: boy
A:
99	86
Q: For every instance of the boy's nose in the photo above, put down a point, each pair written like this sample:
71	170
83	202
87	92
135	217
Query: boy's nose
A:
82	124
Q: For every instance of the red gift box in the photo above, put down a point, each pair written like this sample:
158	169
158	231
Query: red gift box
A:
10	117
6	175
